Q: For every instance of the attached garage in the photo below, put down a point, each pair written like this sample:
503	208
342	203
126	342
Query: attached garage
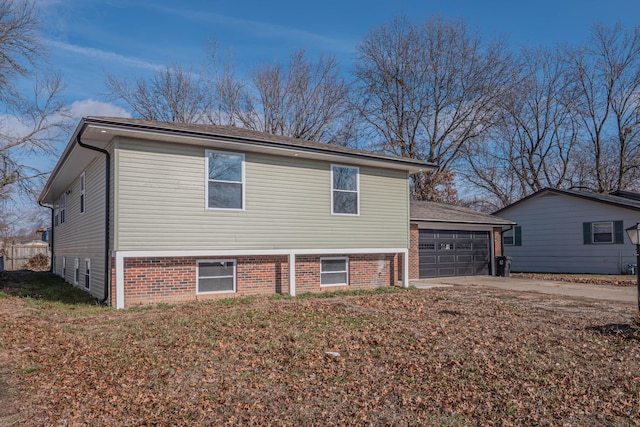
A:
444	253
448	240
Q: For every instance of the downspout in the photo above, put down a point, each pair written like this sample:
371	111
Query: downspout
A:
107	258
50	236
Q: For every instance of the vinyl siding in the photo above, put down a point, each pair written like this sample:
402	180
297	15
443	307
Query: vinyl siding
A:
161	204
82	234
552	236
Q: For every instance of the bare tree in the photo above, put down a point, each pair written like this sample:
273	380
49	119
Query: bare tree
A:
607	77
29	130
173	94
29	124
427	90
304	99
532	143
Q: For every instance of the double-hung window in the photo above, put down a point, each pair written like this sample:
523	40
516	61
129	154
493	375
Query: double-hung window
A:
603	232
63	208
76	271
334	271
56	214
225	180
216	276
82	192
344	190
64	267
87	273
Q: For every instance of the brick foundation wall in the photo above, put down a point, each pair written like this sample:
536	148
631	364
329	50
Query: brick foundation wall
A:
169	280
366	271
414	252
156	280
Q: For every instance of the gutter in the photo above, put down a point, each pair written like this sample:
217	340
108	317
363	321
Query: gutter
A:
107	270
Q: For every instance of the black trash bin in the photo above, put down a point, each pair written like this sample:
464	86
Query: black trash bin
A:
504	265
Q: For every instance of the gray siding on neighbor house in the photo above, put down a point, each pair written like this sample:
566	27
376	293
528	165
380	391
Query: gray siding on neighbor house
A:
82	234
160	204
552	236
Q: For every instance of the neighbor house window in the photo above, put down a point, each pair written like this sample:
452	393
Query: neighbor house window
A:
334	271
512	237
82	192
76	272
56	215
603	232
225	180
344	190
64	267
87	273
216	276
63	208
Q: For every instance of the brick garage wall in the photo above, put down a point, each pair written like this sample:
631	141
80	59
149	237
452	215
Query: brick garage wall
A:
366	271
497	245
414	252
157	280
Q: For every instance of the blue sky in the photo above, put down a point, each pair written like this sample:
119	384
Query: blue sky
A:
128	38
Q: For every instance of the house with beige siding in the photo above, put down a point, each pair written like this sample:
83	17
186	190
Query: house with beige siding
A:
571	231
147	212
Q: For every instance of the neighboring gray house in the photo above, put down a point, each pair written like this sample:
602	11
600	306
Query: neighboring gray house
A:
569	231
148	212
450	240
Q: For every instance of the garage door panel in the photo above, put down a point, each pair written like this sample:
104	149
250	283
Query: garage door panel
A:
464	259
445	253
428	260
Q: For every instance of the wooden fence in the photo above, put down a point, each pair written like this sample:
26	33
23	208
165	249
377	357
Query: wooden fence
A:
17	255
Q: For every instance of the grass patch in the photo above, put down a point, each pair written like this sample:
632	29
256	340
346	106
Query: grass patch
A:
46	290
352	292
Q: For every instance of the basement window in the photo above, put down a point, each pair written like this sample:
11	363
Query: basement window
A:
216	276
334	271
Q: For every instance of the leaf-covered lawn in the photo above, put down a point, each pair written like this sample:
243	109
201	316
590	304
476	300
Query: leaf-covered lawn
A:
445	356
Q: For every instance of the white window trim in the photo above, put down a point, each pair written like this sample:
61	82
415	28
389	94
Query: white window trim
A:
206	181
56	215
342	258
87	266
64	267
593	232
357	189
63	208
512	235
76	271
83	193
235	275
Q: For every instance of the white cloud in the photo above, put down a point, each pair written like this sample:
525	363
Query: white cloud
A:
91	107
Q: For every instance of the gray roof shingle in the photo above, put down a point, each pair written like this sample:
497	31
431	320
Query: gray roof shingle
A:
250	136
624	199
440	212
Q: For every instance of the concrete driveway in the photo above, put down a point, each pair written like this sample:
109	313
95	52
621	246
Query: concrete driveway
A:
600	292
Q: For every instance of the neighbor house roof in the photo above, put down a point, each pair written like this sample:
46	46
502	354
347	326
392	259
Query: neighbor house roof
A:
623	199
100	131
441	212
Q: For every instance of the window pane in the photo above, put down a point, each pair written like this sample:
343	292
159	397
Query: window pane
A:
329	265
333	278
602	238
217	284
225	167
345	202
225	195
215	269
345	178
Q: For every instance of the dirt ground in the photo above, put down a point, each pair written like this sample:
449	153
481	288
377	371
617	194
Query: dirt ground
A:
444	356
